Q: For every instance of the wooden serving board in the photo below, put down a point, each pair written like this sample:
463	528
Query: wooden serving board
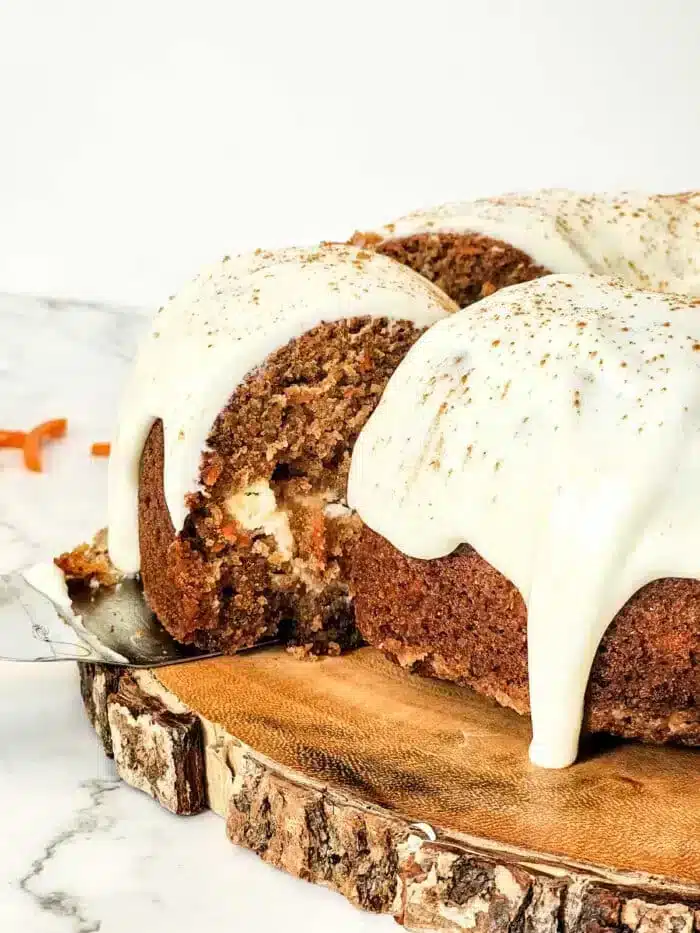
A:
408	795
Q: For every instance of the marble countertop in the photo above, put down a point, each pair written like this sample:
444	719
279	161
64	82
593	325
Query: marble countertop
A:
83	852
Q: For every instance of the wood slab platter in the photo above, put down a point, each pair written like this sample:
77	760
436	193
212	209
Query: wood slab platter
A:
410	796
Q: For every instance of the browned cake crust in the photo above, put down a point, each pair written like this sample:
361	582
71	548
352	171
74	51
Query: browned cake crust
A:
292	423
459	619
466	266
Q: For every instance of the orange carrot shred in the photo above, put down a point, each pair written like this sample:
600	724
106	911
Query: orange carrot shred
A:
100	450
12	439
33	441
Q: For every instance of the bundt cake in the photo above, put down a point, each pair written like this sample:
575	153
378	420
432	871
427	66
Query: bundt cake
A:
524	461
471	249
228	472
529	486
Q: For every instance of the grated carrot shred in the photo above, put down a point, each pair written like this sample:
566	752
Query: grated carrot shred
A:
12	439
33	441
100	449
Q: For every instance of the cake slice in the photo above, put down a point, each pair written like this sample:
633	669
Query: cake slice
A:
227	479
473	248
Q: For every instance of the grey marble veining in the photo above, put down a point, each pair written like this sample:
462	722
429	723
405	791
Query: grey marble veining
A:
82	852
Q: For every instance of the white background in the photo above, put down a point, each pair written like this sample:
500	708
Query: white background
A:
142	138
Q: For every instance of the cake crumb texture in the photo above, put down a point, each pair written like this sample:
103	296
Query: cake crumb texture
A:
89	564
466	266
263	551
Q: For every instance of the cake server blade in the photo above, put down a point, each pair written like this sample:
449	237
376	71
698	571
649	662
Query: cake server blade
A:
109	625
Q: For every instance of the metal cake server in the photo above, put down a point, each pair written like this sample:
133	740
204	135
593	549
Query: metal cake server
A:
112	625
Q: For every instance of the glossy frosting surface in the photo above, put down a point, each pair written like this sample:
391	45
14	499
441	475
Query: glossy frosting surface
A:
555	427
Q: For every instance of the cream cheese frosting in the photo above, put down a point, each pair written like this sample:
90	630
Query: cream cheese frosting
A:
554	427
219	328
651	241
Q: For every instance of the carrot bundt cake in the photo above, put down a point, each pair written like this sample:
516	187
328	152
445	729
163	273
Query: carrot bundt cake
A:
520	509
228	472
529	489
471	249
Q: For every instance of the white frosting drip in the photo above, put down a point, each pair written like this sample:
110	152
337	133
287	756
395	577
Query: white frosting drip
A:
651	241
221	326
555	427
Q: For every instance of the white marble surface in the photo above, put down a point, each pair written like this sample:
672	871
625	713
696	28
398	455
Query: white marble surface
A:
82	852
